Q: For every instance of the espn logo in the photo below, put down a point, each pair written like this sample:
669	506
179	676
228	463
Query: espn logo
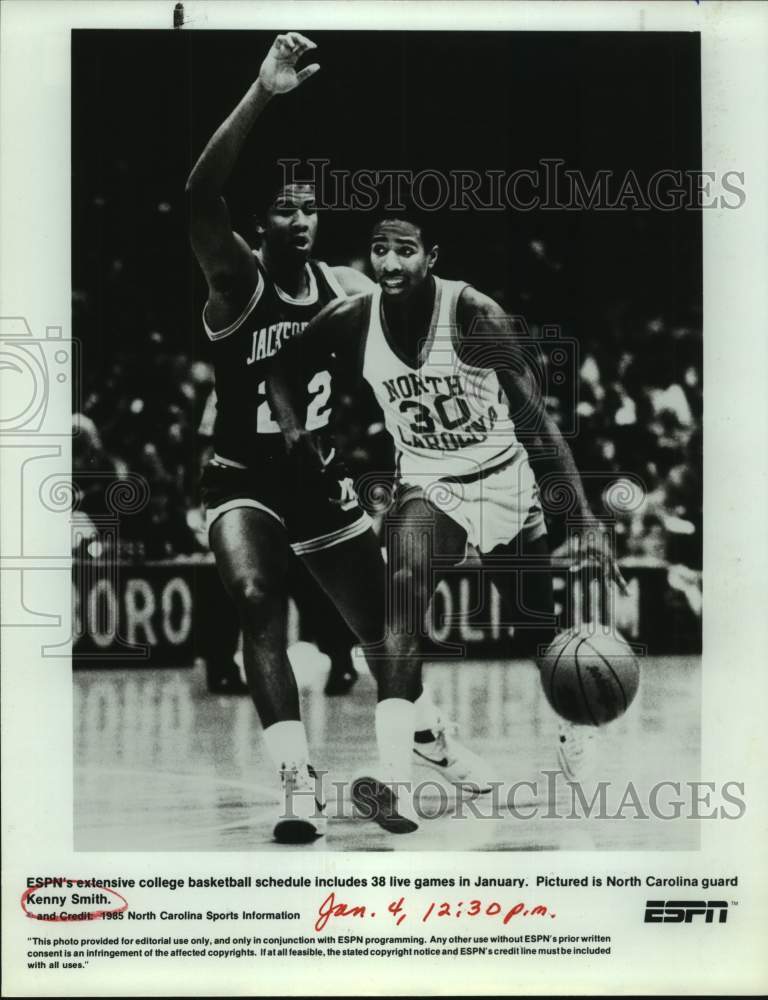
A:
680	911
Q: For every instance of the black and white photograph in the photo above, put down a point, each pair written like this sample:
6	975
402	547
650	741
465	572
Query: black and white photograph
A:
430	322
383	563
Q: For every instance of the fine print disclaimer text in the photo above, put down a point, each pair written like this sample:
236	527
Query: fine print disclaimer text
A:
375	915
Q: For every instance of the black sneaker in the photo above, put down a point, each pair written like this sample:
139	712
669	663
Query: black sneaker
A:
302	815
377	801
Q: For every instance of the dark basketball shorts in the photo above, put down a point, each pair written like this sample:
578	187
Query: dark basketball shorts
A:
311	521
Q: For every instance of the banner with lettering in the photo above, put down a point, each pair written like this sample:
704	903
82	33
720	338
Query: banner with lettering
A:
168	613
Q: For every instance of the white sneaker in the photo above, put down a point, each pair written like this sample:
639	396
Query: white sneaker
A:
302	809
576	751
455	762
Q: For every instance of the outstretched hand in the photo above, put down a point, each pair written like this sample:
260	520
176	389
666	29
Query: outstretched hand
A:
278	72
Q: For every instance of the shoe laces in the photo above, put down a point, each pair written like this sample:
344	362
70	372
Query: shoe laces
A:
297	774
447	740
301	776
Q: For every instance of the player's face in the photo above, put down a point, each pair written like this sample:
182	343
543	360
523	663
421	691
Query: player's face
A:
291	227
399	259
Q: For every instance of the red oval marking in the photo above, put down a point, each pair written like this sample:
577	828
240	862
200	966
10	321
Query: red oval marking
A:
71	917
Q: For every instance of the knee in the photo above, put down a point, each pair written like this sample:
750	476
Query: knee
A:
256	599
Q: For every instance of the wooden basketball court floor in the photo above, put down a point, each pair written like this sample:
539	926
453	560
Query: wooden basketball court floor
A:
162	765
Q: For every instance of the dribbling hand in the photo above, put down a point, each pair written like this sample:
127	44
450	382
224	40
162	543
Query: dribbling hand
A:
592	545
278	72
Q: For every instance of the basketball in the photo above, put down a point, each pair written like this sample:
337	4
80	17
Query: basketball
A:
589	678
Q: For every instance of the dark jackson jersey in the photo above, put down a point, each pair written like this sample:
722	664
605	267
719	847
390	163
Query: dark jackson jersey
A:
244	430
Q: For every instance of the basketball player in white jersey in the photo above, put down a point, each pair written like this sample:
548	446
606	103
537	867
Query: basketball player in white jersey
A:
260	513
443	362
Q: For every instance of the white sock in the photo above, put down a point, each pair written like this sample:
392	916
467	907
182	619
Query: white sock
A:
394	738
287	743
426	715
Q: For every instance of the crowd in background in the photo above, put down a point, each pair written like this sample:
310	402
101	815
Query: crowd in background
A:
145	386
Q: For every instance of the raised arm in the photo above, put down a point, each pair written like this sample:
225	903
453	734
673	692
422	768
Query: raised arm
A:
489	340
224	256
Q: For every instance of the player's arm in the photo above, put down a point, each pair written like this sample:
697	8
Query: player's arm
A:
224	256
489	340
336	330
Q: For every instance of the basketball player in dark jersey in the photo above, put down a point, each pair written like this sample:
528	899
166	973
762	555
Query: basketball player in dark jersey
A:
455	389
262	508
321	622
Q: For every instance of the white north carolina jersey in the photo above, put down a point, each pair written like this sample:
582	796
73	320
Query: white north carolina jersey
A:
447	419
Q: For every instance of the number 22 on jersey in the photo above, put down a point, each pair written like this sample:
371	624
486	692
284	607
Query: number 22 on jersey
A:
318	410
